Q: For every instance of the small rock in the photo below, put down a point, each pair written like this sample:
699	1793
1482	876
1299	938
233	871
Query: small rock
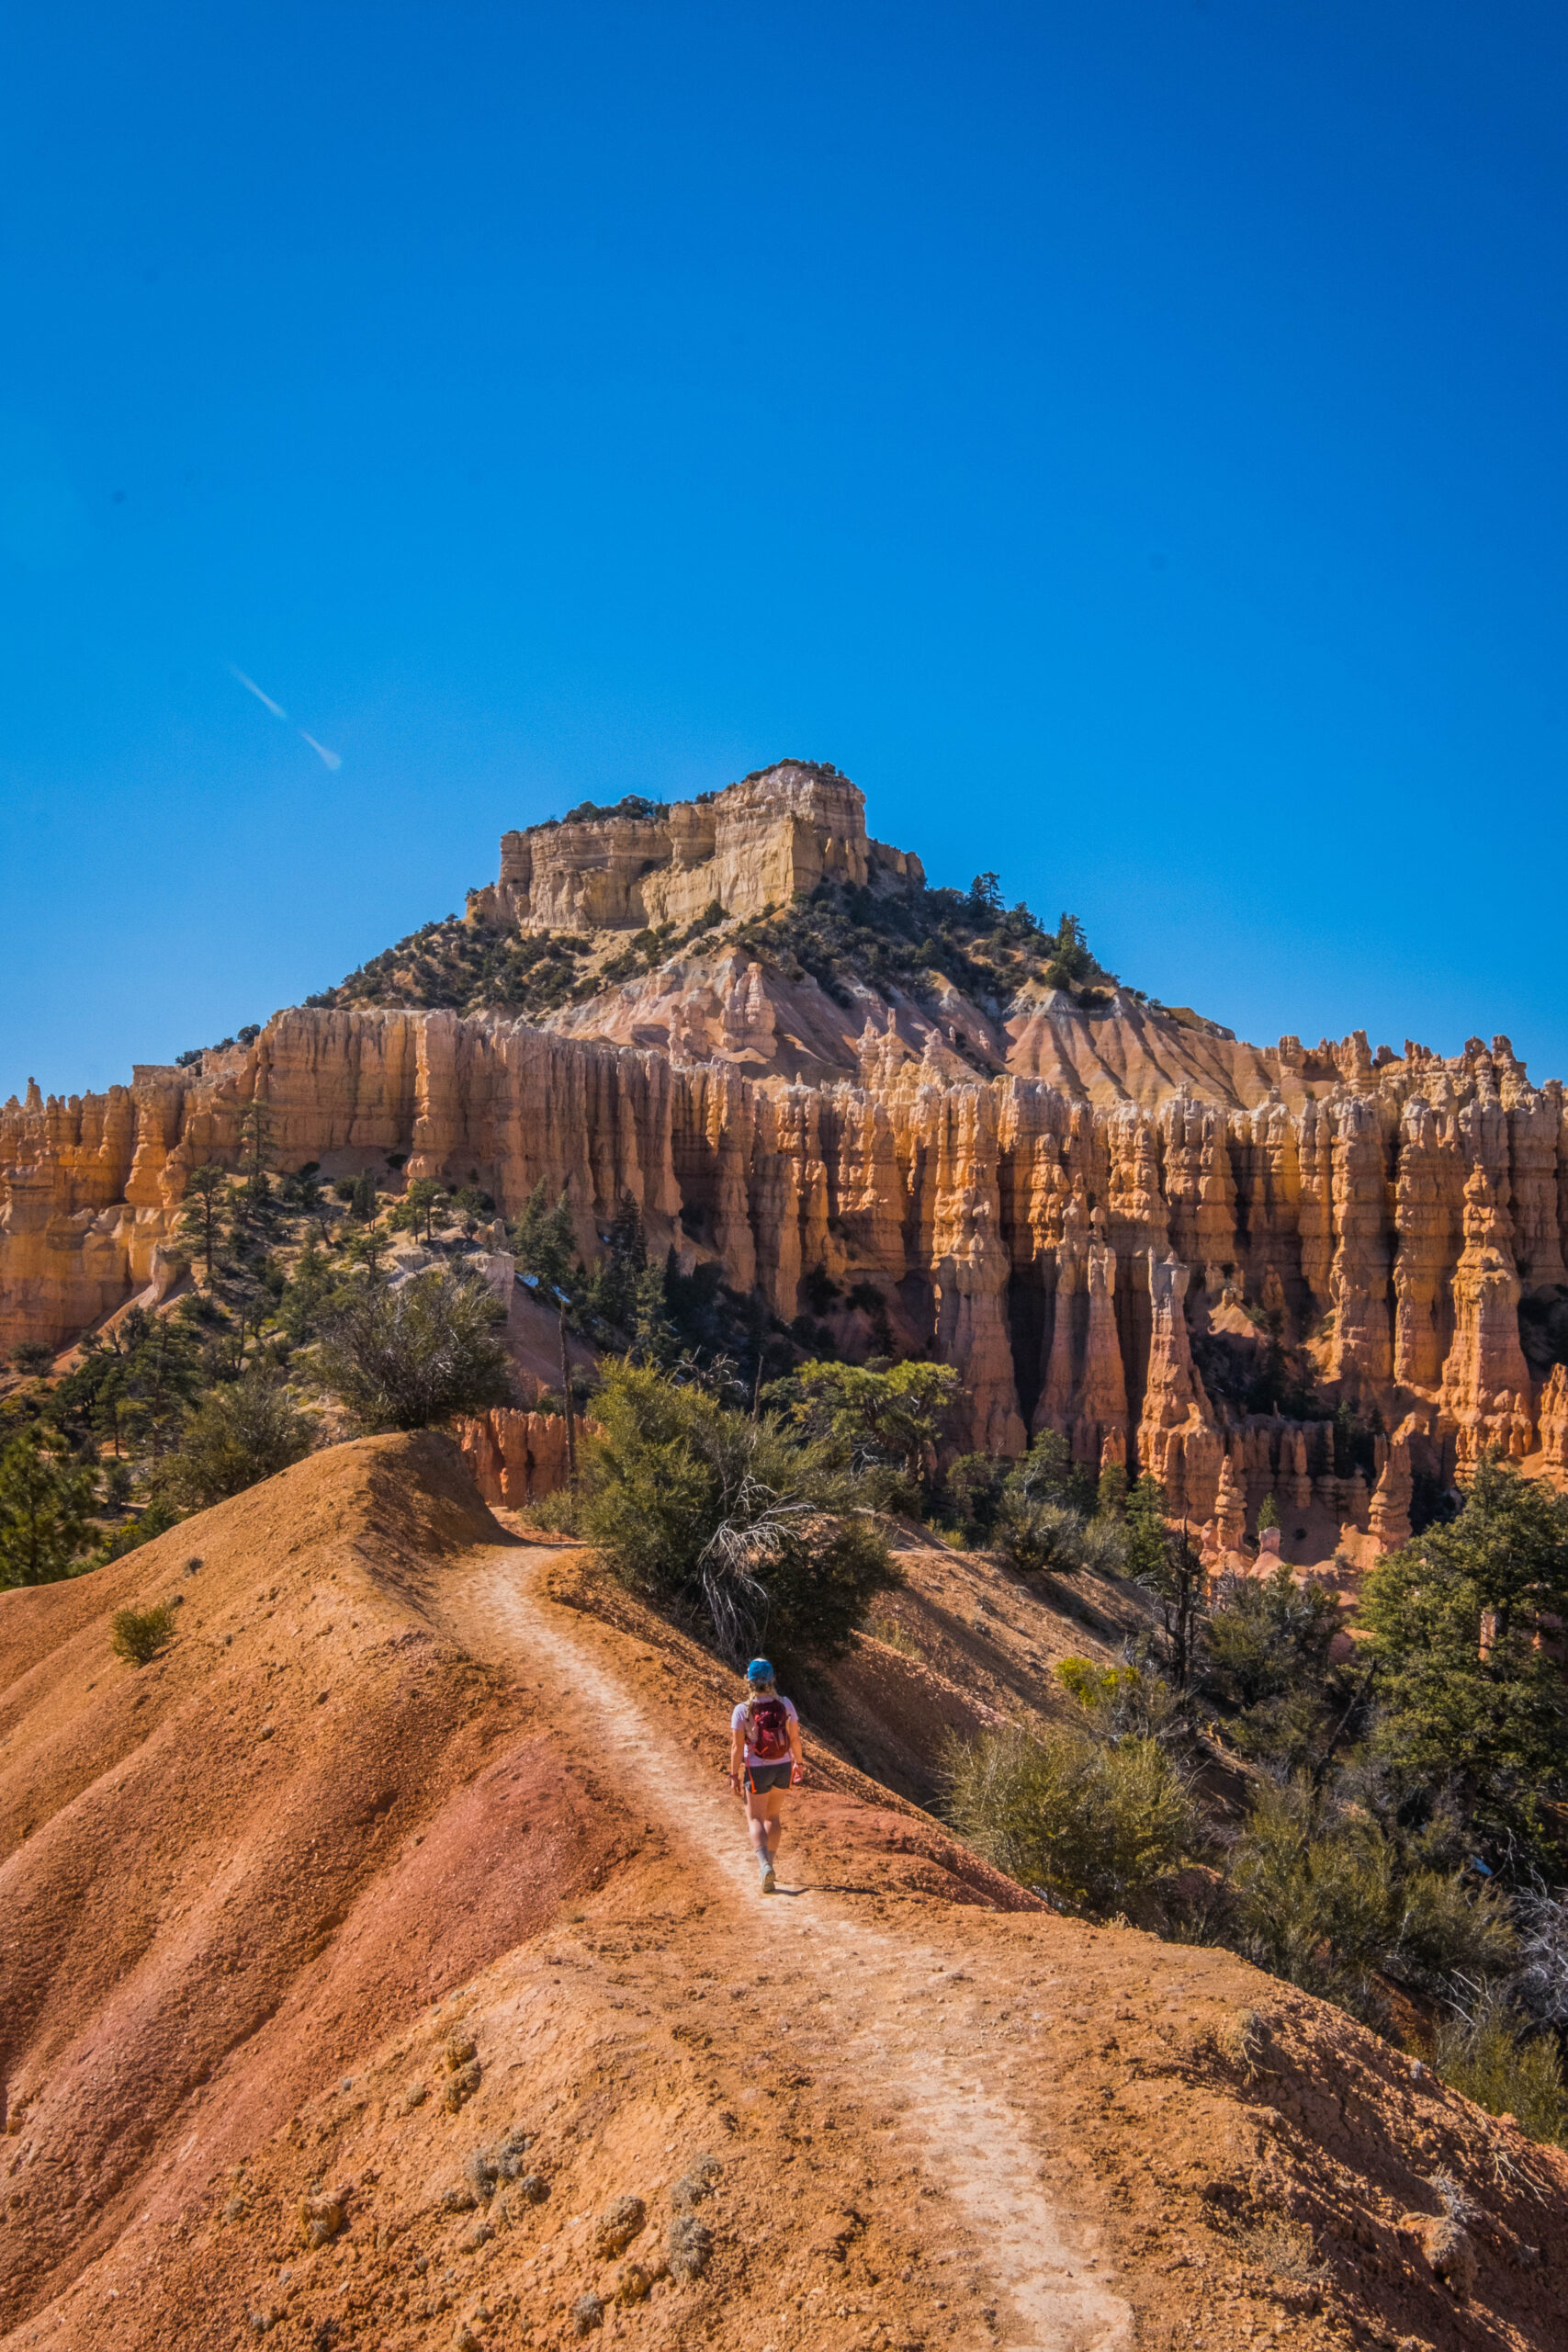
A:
235	2210
688	2247
618	2224
1450	2254
465	2339
460	2052
633	2283
458	2200
461	2085
415	2095
533	2188
481	2234
587	2313
321	2219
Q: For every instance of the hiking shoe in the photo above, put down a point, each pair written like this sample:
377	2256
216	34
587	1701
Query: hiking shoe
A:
770	1883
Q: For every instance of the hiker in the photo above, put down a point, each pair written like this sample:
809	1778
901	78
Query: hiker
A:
764	1760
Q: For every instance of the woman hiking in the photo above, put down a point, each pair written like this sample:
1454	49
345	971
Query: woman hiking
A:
764	1760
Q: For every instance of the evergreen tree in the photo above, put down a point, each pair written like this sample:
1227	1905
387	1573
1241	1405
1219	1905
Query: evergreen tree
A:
201	1214
893	1417
655	1340
44	1508
301	1303
255	1199
543	1242
1145	1530
422	1200
163	1379
1110	1497
1454	1625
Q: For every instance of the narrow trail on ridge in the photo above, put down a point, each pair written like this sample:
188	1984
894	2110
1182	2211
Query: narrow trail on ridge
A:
957	2121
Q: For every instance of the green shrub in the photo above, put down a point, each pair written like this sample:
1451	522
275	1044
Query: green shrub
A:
1268	1635
1118	1699
238	1435
1329	1902
1495	2060
401	1359
138	1634
727	1517
1032	1536
972	1494
1089	1824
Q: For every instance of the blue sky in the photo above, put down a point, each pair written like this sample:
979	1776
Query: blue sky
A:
1127	439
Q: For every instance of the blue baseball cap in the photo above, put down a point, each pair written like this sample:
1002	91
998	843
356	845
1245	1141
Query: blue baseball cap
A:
758	1670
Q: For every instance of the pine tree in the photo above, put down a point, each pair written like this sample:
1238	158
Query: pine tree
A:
543	1241
44	1508
201	1216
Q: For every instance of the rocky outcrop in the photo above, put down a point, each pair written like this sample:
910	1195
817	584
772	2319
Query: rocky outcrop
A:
1486	1391
1052	1195
753	846
1178	1438
516	1458
1388	1518
1230	1509
1554	1423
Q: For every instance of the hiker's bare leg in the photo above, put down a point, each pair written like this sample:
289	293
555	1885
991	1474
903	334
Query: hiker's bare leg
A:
763	1810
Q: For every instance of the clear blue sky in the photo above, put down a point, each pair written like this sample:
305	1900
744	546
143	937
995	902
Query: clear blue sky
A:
1127	438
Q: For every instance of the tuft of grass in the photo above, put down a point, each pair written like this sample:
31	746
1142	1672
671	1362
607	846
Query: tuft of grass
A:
138	1634
889	1631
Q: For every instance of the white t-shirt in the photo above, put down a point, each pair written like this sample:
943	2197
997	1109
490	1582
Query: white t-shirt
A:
737	1722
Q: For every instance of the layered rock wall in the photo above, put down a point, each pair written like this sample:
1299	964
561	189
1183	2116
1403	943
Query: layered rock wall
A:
750	847
1062	1252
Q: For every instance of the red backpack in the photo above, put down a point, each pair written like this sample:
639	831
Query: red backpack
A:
767	1729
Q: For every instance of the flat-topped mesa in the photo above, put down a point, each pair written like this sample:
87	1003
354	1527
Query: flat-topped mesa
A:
753	846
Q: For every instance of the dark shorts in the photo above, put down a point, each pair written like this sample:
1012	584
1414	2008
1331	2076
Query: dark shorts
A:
762	1777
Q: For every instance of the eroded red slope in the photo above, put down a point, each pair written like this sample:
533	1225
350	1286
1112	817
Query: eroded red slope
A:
484	1879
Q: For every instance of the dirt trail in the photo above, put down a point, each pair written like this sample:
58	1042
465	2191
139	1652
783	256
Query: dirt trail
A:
880	1991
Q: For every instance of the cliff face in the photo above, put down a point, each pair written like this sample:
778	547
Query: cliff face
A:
754	845
1063	1201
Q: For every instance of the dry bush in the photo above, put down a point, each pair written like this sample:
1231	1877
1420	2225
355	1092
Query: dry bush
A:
1495	2060
1286	2248
688	2247
699	2181
1238	2037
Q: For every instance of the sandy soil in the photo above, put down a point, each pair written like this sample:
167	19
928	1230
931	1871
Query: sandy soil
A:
355	2033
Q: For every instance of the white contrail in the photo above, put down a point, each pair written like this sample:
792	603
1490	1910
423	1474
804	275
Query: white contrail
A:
250	684
328	759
